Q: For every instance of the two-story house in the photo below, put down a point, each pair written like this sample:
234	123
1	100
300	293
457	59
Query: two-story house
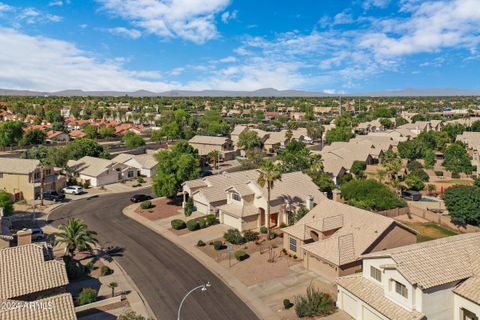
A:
240	202
23	178
434	280
332	236
472	142
207	144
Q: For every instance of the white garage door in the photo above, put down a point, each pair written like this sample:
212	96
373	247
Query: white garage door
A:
231	221
349	304
202	208
369	315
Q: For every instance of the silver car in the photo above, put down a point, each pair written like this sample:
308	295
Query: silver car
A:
73	190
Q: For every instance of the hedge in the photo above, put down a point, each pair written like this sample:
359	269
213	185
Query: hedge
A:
193	225
178	224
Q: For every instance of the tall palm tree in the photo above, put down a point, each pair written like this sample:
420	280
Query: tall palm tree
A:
113	285
75	236
214	156
268	174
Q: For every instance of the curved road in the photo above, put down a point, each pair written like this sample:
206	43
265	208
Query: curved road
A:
163	272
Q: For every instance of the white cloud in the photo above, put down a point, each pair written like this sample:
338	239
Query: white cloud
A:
55	3
227	16
190	20
228	59
129	33
5	7
343	18
367	4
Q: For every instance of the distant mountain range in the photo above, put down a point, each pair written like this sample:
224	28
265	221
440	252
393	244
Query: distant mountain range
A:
267	92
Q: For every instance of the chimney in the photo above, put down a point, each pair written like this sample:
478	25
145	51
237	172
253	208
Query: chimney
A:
337	195
24	237
310	203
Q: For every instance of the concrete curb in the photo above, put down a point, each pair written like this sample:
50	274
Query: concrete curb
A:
234	284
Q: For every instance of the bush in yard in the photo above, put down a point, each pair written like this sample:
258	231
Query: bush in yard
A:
241	255
414	165
273	235
188	210
439	173
140	179
202	223
287	304
105	271
131	315
75	270
6	203
200	243
178	224
233	236
263	229
314	303
218	245
193	225
86	296
250	235
371	195
211	219
147	204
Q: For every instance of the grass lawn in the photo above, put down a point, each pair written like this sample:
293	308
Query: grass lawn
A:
430	231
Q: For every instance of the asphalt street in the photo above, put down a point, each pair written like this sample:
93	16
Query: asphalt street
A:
162	272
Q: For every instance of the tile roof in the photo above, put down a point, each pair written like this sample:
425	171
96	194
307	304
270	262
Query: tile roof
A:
436	262
147	161
373	295
358	230
23	270
218	141
19	166
59	307
92	166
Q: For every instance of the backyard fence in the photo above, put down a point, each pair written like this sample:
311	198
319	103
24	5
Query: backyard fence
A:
443	220
394	212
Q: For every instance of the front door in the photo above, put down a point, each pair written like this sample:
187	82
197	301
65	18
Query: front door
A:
273	220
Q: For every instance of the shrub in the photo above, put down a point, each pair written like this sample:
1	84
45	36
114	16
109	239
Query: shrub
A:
140	179
250	235
86	184
6	203
193	225
89	266
86	296
188	209
439	173
295	256
105	271
241	255
263	229
315	303
147	204
287	304
131	315
202	223
200	243
273	235
455	175
284	251
283	225
178	224
211	219
371	195
218	245
234	236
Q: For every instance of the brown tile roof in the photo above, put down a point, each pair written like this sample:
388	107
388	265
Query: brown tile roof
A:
59	307
436	262
373	295
23	270
18	166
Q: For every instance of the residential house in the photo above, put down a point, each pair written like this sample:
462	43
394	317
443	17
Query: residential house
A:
467	122
420	126
207	144
146	164
371	126
332	236
29	277
434	280
57	136
99	172
241	203
472	142
22	178
77	134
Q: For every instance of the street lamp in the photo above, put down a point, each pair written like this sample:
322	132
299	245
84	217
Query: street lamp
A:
203	287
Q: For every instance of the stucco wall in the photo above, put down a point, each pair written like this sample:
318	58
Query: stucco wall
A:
395	236
459	303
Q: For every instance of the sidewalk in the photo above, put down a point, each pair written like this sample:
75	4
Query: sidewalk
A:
188	244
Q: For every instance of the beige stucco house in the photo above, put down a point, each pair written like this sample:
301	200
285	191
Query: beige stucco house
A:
434	280
146	164
22	178
472	142
207	144
99	172
332	236
241	203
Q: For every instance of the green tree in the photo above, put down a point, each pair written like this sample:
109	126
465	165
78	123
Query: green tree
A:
453	130
85	147
170	131
295	157
215	157
32	136
339	134
249	140
113	285
387	123
457	159
268	174
392	163
130	315
75	236
324	182
463	204
301	212
133	140
414	182
475	126
429	158
358	169
371	195
10	133
90	131
106	132
6	202
176	165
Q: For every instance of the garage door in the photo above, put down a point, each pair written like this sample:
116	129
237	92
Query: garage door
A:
321	267
202	208
349	304
369	315
231	221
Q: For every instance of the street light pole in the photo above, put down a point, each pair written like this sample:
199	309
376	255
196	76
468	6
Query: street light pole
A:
203	287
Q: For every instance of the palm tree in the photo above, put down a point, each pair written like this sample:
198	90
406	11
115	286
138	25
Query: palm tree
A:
75	236
113	285
268	174
249	140
214	156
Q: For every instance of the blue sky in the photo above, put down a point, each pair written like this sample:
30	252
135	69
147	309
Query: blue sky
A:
326	46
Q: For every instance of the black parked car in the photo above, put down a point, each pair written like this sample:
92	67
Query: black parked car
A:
140	197
52	196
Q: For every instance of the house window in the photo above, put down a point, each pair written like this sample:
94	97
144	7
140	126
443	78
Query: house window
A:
48	172
130	174
376	274
236	196
401	289
36	175
467	315
293	245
